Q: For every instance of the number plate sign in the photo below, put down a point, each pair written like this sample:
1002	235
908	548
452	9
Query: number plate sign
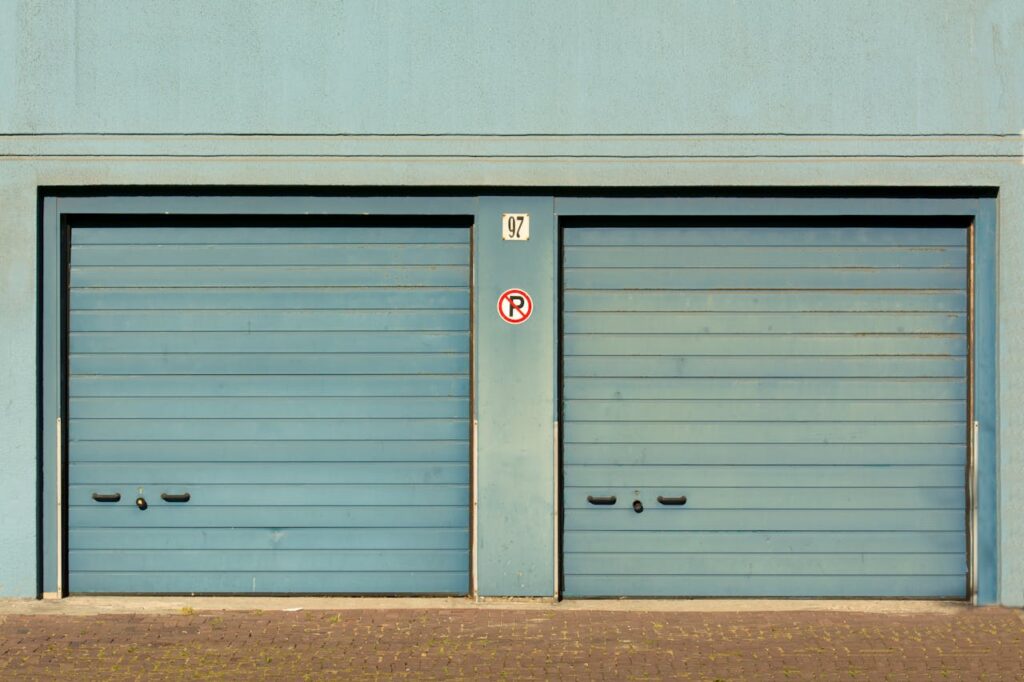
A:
515	227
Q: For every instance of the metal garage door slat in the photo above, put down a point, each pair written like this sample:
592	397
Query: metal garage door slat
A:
660	277
286	471
774	454
274	582
803	387
780	324
739	496
354	561
603	234
788	256
314	494
307	386
270	276
765	301
223	539
305	407
386	518
272	255
235	385
207	235
776	387
763	410
779	542
270	451
765	585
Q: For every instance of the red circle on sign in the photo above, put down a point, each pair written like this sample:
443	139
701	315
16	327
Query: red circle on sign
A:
515	306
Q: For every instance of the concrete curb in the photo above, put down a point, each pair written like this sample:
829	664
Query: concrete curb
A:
88	605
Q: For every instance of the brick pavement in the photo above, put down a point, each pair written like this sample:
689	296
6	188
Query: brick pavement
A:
515	644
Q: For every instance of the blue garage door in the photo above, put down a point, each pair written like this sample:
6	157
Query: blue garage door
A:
803	388
290	402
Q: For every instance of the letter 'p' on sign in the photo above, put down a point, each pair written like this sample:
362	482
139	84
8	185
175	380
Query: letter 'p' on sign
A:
515	306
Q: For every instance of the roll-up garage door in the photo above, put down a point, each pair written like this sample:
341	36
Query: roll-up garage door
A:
764	410
269	409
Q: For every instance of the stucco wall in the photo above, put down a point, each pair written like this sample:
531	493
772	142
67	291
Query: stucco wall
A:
917	93
438	67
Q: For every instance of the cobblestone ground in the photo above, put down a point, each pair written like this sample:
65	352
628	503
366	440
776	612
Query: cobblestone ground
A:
511	644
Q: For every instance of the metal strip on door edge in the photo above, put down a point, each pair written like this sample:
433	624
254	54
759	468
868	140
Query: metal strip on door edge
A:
556	544
60	511
475	581
973	492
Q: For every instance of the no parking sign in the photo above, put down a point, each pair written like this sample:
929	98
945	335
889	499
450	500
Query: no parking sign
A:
515	306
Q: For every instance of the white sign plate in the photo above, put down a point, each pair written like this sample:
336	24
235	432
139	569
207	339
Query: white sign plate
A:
515	227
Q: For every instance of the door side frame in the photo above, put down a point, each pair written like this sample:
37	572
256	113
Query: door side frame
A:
981	484
56	206
56	214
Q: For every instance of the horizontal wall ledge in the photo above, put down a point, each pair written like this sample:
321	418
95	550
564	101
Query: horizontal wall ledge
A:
514	146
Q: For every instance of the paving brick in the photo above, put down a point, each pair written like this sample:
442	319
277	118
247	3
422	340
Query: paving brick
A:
482	644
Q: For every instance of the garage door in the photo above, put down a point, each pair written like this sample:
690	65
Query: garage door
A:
764	410
269	409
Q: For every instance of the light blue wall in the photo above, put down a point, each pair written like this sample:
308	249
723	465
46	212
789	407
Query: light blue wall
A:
515	402
876	93
498	67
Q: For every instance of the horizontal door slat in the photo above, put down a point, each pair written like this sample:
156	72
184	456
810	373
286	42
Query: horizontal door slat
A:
273	254
269	450
597	234
273	321
284	234
782	542
269	385
757	345
740	388
295	495
764	564
281	539
306	516
291	407
337	298
765	410
249	582
341	561
767	520
207	277
269	363
756	366
764	432
764	323
836	495
764	278
173	474
640	300
269	342
273	429
358	324
601	476
128	289
791	256
779	454
820	586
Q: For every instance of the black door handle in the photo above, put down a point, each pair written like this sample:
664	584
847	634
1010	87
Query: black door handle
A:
175	497
681	500
107	497
601	500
